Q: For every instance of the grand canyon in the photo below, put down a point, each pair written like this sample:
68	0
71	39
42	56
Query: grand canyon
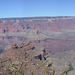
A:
55	35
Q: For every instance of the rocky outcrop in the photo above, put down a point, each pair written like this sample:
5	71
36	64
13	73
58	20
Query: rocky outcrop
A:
25	58
20	59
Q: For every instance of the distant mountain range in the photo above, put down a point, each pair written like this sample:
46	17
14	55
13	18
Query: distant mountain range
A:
23	19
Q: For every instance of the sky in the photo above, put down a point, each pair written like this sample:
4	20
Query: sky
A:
36	8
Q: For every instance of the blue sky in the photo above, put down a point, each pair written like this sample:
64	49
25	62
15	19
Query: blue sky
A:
36	8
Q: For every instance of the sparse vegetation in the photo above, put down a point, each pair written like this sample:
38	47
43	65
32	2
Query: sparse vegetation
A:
24	63
70	68
50	71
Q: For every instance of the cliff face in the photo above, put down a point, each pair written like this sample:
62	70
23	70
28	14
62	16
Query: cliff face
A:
55	34
37	23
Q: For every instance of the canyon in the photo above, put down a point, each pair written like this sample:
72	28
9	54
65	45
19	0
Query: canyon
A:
45	43
55	34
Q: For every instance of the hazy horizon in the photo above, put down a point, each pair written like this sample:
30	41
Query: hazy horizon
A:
36	16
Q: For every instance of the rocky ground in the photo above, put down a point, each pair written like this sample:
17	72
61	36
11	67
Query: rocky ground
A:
26	59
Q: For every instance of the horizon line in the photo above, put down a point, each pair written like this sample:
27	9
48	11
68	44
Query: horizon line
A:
35	17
